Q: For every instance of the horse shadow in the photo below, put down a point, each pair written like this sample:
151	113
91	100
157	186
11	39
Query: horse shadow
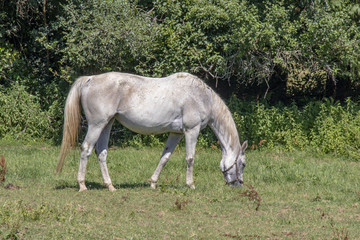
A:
98	186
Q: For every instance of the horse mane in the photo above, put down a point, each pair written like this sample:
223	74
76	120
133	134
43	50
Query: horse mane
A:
222	118
224	122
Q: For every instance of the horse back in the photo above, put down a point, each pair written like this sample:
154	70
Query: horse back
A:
148	104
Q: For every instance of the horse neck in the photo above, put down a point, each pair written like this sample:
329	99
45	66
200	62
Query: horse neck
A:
224	128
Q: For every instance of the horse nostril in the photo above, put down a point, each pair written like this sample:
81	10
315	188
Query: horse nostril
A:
241	182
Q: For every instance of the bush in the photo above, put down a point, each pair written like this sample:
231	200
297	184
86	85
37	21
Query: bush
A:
337	129
269	126
327	126
21	116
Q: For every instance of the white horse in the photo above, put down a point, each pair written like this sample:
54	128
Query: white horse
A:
180	104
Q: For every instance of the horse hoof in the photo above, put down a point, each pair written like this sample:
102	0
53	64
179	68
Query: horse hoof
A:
83	189
111	188
153	185
192	186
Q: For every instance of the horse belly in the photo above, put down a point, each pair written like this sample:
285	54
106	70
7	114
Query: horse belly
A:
154	123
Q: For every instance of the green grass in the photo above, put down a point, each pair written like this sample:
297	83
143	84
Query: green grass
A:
299	196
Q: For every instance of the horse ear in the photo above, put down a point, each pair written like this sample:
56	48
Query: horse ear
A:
244	145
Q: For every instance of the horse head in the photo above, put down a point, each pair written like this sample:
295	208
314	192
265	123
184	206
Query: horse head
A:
234	174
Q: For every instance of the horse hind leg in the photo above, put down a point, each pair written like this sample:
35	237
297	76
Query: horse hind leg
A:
101	151
170	145
87	146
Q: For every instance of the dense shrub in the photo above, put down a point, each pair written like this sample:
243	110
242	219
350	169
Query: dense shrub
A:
337	129
326	126
22	118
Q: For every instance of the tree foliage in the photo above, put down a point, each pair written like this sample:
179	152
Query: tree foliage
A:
101	36
291	48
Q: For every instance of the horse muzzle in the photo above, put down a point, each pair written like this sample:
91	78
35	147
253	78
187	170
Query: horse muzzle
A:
236	183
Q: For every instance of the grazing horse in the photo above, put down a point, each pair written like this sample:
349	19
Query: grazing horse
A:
180	104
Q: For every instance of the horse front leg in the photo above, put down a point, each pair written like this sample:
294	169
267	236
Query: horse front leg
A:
170	145
190	143
104	171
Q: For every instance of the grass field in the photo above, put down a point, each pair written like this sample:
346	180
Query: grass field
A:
289	195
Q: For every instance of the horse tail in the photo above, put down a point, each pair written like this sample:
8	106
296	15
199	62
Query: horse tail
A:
72	118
